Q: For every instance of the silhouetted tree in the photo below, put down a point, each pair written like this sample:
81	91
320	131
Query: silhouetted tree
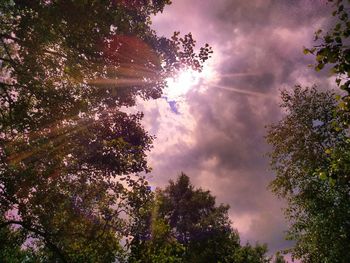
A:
68	153
192	219
197	222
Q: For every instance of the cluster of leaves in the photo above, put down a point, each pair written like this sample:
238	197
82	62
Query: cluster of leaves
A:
69	156
318	197
334	49
333	46
184	224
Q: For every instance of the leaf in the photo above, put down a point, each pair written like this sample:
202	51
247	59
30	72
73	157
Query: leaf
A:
319	67
328	151
323	175
331	181
319	57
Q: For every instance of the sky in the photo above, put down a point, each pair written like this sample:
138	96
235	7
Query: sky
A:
215	131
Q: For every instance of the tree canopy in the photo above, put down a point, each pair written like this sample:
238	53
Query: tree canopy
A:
197	228
318	202
69	154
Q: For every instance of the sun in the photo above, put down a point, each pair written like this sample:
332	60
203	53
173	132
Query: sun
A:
181	84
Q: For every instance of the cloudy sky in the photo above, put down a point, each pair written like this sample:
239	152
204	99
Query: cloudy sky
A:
215	131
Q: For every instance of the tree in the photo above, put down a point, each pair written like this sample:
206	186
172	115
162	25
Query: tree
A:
197	222
154	242
68	153
279	258
315	187
193	220
310	152
10	249
251	254
332	49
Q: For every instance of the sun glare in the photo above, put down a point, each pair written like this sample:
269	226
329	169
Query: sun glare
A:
181	84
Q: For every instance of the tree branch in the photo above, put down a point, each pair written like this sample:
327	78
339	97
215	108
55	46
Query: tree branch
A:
51	246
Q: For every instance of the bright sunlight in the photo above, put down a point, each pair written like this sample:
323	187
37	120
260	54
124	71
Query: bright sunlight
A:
186	80
179	85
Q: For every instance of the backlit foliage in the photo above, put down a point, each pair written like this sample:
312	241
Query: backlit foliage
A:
69	155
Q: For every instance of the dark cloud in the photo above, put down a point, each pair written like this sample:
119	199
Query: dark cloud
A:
257	14
217	137
253	82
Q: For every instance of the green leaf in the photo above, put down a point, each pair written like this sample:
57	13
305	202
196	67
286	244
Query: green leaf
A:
323	175
319	67
319	57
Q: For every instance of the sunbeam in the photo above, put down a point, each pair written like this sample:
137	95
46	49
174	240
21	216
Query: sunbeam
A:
242	91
